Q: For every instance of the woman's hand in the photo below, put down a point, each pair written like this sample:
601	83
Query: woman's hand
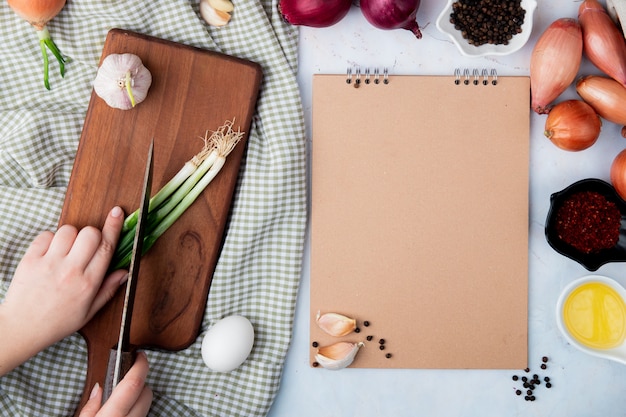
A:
58	287
131	397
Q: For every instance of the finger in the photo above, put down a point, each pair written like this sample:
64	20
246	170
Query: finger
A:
39	246
93	404
108	242
142	406
85	246
128	392
62	241
108	289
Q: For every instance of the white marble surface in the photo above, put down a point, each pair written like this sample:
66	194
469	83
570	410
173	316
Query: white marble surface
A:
582	385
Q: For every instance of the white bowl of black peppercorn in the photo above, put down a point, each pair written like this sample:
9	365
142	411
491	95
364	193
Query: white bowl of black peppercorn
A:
488	27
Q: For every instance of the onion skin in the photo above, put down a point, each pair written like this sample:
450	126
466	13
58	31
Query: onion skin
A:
605	95
554	62
314	13
37	12
392	14
618	174
603	43
573	125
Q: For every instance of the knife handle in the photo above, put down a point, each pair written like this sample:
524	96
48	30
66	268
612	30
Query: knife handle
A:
126	362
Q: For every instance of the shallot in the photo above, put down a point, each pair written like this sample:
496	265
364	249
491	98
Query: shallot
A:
573	125
392	14
314	13
605	95
618	174
38	13
603	43
554	62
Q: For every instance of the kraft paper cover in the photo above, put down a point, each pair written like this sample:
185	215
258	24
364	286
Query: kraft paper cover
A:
419	219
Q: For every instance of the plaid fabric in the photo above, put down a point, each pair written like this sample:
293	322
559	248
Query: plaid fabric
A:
259	268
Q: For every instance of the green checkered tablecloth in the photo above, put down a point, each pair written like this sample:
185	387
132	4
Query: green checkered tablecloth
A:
259	268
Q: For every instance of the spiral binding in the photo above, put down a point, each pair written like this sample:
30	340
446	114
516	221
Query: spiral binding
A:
465	77
476	77
368	76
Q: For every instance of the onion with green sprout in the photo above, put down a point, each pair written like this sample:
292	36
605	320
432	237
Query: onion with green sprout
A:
38	13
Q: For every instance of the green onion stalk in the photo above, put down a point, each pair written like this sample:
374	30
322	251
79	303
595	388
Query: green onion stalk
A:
171	201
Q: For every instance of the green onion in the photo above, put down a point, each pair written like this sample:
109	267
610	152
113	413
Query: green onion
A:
179	193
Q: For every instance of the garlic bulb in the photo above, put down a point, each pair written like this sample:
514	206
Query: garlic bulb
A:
338	355
335	324
122	81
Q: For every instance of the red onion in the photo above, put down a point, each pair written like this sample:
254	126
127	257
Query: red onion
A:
392	14
314	13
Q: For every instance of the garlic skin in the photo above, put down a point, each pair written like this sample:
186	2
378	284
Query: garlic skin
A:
335	324
337	356
122	81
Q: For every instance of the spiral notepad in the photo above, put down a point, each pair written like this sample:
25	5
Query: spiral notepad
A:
419	216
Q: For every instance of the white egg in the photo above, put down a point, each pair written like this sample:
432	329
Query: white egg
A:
228	343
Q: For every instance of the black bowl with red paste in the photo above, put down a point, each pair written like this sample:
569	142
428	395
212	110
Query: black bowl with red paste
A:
587	223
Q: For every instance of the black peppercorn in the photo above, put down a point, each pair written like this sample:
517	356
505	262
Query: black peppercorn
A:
315	364
369	338
515	377
544	359
388	355
543	366
366	323
518	392
524	379
381	341
529	392
547	379
357	330
381	347
548	385
315	344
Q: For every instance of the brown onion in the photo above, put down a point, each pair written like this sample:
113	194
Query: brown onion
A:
314	13
618	173
573	125
605	95
603	43
554	62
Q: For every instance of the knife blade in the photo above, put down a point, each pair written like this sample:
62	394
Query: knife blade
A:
122	357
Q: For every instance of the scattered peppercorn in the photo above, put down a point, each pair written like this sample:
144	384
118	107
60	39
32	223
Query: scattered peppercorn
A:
548	385
515	377
381	347
547	379
366	323
315	364
381	341
388	355
527	370
518	392
529	392
369	338
524	379
544	366
357	330
488	21
315	344
544	359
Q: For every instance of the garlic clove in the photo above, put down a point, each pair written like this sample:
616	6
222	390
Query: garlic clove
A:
338	355
222	5
335	324
122	81
213	16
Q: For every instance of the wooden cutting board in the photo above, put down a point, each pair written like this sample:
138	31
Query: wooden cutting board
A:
192	91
